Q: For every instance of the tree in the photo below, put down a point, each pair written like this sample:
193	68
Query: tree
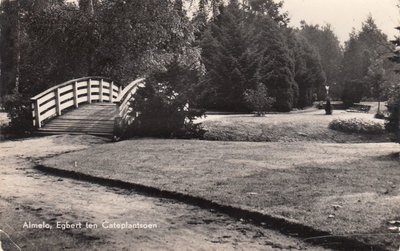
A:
138	36
276	64
8	48
164	104
376	79
224	47
243	46
364	51
393	90
59	41
309	75
269	8
327	45
259	100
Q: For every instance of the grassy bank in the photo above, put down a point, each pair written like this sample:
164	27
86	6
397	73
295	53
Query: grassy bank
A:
346	189
309	126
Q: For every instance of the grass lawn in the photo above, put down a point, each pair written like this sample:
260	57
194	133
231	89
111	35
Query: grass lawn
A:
308	125
350	189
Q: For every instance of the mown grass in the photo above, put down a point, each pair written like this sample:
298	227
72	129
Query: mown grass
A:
349	189
311	126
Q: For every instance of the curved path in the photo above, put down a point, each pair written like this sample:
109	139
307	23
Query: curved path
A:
28	195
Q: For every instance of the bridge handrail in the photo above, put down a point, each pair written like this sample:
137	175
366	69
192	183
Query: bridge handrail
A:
53	101
128	88
124	118
125	96
66	83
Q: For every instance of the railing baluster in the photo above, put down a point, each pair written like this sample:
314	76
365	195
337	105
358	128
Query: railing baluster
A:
101	90
37	114
58	104
33	114
76	94
111	91
89	91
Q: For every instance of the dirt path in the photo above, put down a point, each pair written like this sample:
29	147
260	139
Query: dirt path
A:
26	195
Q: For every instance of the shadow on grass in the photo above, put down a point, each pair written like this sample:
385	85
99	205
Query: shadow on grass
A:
294	229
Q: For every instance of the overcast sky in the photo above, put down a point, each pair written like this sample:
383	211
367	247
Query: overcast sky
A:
343	15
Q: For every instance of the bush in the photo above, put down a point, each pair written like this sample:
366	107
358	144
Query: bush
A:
164	105
392	120
259	100
379	115
356	125
352	92
18	108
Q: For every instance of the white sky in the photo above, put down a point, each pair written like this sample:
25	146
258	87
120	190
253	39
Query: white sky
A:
343	15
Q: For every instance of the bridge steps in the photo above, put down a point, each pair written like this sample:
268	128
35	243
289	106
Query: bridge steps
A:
93	119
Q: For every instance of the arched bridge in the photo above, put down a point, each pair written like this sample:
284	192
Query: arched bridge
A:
89	105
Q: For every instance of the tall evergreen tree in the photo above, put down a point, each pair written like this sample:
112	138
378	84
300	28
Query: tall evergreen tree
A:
326	43
223	48
270	8
362	51
308	69
276	64
8	50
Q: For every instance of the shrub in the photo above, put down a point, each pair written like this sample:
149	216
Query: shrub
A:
18	108
352	92
259	100
164	105
392	123
356	125
379	115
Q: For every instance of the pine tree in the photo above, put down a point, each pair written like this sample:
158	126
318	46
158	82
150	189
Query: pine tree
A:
276	65
362	51
328	47
223	48
308	69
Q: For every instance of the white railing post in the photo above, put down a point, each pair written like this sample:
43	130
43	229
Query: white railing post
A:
33	114
75	87
119	90
37	114
58	104
111	91
89	91
101	90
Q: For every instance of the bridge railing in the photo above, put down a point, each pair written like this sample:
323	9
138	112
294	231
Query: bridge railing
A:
124	117
54	100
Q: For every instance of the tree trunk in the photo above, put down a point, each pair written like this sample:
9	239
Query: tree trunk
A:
17	50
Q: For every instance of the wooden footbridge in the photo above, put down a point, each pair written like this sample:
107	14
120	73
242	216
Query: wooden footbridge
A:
89	105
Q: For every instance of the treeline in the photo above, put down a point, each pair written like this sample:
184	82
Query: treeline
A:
222	52
244	46
45	42
250	44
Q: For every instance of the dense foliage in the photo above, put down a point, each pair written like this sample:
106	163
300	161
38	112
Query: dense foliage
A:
216	60
327	46
364	63
246	45
259	100
164	104
356	125
49	42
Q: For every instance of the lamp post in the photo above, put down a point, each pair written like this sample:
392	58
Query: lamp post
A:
327	91
328	106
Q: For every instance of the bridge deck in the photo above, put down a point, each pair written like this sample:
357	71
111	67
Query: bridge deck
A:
94	119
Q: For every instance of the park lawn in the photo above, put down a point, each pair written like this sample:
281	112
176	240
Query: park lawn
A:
309	125
350	189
